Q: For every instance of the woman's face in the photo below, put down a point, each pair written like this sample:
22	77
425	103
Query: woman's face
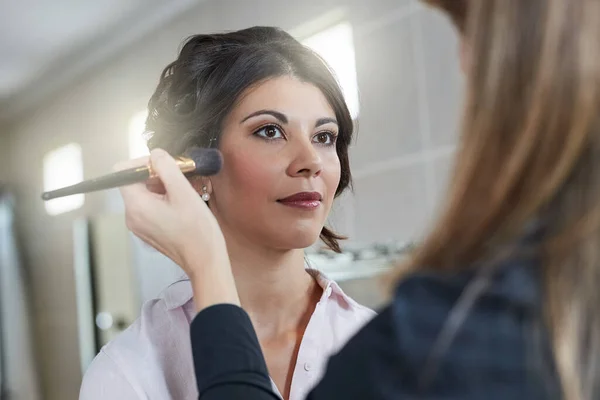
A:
281	168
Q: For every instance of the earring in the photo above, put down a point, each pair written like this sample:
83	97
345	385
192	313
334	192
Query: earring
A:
205	195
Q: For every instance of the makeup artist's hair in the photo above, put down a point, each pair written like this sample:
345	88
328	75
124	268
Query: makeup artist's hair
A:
199	89
530	152
455	9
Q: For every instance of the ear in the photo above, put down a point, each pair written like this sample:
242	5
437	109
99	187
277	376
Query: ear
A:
199	181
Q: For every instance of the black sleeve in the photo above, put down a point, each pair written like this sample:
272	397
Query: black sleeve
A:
228	361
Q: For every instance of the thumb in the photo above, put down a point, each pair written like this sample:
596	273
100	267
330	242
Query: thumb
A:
177	186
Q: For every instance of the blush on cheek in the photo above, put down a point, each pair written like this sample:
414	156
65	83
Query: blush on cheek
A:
331	175
250	177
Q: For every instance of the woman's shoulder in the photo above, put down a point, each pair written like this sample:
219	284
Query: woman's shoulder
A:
161	319
514	282
460	311
472	330
337	314
153	353
337	304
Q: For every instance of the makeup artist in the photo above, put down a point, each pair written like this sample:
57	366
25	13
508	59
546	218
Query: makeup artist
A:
500	301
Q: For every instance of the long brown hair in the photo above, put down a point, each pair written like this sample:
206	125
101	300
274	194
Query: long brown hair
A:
530	152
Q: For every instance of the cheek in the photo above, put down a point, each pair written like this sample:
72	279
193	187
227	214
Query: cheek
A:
331	175
247	177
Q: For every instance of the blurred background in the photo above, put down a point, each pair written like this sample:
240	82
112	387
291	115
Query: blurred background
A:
75	78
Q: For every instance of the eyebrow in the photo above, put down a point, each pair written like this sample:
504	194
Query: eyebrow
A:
283	119
323	121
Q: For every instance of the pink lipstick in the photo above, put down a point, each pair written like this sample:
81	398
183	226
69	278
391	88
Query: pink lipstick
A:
303	200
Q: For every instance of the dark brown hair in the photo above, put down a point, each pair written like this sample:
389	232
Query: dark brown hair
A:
198	90
530	153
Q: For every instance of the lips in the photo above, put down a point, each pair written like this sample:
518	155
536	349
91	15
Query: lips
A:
303	200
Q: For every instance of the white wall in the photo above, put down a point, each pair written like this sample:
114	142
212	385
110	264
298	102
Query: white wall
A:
409	83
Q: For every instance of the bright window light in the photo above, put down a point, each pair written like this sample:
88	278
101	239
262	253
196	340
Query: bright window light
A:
137	141
336	46
63	167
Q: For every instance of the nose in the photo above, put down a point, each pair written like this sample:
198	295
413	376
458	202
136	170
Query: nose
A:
306	161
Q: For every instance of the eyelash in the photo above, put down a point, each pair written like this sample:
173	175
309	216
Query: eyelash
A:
264	127
332	136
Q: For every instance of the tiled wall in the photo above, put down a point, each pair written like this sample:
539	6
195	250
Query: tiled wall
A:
408	71
410	96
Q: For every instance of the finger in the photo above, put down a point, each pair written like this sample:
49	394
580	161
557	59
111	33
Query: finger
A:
176	184
138	195
142	208
156	186
136	190
136	162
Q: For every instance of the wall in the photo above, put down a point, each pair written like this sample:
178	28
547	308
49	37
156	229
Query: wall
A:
19	375
3	154
409	82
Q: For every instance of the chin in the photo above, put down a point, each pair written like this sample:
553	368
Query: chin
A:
297	239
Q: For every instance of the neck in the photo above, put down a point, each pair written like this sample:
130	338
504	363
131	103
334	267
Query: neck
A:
273	285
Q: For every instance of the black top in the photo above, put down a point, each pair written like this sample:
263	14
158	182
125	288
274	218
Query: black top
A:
431	342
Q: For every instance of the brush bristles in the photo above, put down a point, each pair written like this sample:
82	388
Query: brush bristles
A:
208	161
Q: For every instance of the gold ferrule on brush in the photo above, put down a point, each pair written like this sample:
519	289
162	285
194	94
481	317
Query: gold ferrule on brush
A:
185	165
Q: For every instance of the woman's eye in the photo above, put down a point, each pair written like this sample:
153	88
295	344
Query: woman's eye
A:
325	138
269	132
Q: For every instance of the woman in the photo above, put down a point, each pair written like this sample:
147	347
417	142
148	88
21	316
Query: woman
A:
278	116
501	300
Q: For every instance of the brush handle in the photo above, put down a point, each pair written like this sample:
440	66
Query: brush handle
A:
203	162
121	178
